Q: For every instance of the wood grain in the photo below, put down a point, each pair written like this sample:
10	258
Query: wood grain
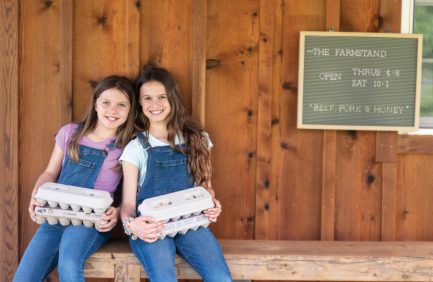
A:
275	182
386	142
9	142
265	189
231	111
45	93
333	10
299	169
358	186
165	39
106	37
198	59
295	261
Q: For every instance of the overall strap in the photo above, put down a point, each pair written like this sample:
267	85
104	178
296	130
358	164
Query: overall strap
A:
144	140
112	145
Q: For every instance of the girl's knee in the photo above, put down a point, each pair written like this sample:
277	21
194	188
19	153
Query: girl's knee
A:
70	267
219	277
21	275
217	273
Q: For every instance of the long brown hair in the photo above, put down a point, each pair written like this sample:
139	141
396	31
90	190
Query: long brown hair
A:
195	137
90	118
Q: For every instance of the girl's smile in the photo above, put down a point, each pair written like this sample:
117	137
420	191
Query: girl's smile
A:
154	101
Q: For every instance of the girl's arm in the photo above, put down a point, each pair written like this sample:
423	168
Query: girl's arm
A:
129	194
214	212
144	227
50	174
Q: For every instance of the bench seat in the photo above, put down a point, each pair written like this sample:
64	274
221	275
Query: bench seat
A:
288	260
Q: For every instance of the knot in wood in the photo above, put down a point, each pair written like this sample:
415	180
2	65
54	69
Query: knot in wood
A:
102	20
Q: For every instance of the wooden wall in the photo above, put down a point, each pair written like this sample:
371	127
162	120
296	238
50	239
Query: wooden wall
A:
9	142
237	64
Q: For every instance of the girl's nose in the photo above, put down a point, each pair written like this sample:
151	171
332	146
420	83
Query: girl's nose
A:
113	109
154	102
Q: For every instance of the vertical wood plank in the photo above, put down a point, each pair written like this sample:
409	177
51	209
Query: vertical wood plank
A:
299	169
106	39
231	111
389	201
360	15
66	46
198	59
386	142
45	93
414	197
386	147
9	141
390	14
333	14
265	205
127	272
328	185
198	27
358	187
272	231
329	147
166	40
145	30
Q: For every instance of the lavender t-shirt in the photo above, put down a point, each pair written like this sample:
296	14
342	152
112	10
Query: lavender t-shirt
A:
107	180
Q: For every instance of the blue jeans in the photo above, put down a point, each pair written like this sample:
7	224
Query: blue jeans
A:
65	246
199	248
167	172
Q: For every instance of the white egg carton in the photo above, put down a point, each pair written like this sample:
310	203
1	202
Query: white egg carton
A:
73	197
67	216
183	225
181	211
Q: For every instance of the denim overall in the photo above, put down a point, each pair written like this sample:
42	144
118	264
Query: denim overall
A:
69	246
167	172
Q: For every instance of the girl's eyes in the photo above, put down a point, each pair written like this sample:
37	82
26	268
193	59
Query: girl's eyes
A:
108	103
148	98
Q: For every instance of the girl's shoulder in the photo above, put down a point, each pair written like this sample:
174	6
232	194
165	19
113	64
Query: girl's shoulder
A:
65	133
134	142
68	128
144	138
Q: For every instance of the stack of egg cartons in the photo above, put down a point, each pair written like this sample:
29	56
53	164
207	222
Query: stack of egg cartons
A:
71	204
181	211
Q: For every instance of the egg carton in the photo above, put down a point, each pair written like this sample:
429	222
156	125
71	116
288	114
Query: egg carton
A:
181	211
183	225
66	217
73	197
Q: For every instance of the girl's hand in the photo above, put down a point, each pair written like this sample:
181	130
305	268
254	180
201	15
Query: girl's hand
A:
146	228
213	213
33	204
110	216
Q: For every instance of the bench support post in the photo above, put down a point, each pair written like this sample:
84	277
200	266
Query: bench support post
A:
124	272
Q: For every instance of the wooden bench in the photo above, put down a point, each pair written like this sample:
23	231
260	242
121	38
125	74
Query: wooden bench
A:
288	260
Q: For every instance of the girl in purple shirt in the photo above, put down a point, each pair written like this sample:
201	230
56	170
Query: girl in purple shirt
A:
85	155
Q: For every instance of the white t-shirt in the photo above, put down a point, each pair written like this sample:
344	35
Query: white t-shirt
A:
135	154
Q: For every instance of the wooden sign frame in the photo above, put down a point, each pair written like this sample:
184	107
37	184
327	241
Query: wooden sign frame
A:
301	120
